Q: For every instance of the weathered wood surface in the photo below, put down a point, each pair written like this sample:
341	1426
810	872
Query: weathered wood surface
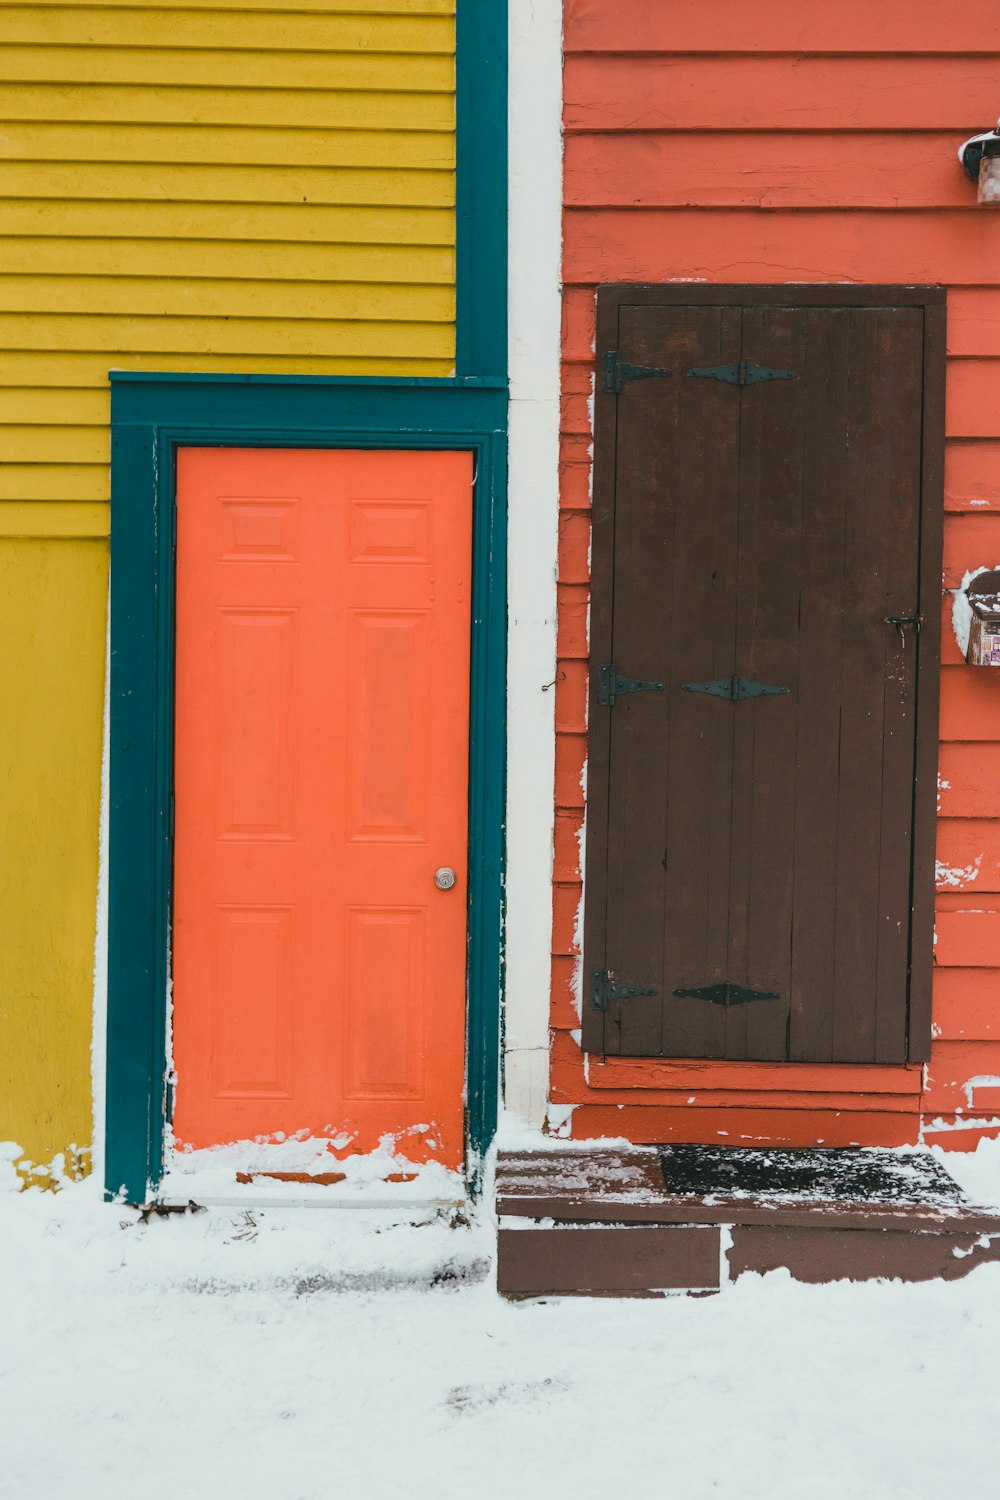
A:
775	26
753	169
654	90
602	1222
607	1262
953	246
828	1254
627	1186
650	91
767	532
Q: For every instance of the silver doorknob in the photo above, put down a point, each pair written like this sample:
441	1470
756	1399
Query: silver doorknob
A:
445	878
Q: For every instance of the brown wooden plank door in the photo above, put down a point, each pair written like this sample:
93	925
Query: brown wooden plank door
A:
761	678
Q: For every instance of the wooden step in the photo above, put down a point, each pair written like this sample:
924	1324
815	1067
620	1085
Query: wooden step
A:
644	1221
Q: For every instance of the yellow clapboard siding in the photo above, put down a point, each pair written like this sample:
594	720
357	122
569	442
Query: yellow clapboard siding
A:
31	369
301	224
218	184
331	7
424	264
232	145
54	445
174	27
213	185
54	482
178	104
52	612
269	69
162	297
54	518
120	336
48	405
317	7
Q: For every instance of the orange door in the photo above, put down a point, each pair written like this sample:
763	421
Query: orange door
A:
321	776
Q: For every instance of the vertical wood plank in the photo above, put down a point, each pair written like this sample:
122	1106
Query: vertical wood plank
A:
899	335
928	648
817	761
768	612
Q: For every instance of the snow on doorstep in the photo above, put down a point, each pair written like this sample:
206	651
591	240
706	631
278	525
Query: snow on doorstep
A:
239	1356
218	1174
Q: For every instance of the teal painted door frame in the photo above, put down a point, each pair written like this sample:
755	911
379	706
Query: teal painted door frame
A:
153	416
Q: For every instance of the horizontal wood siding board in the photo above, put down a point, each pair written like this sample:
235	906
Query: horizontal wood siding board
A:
969	780
321	7
246	145
726	1099
953	246
895	26
224	260
54	519
166	297
179	181
966	1005
22	372
973	397
649	1073
968	854
972	472
776	1126
968	938
970	704
264	68
661	92
301	224
184	104
133	333
754	169
180	26
970	540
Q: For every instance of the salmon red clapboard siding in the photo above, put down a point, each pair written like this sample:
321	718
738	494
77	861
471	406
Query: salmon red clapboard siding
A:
799	144
318	974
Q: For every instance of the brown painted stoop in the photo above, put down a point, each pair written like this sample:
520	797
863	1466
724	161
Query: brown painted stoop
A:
647	1220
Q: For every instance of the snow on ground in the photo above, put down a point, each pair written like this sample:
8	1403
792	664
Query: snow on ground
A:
307	1354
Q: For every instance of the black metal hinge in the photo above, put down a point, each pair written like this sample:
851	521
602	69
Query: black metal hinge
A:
605	989
610	685
745	372
727	994
904	623
734	688
618	370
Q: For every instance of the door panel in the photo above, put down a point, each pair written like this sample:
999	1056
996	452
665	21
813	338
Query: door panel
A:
321	778
755	854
